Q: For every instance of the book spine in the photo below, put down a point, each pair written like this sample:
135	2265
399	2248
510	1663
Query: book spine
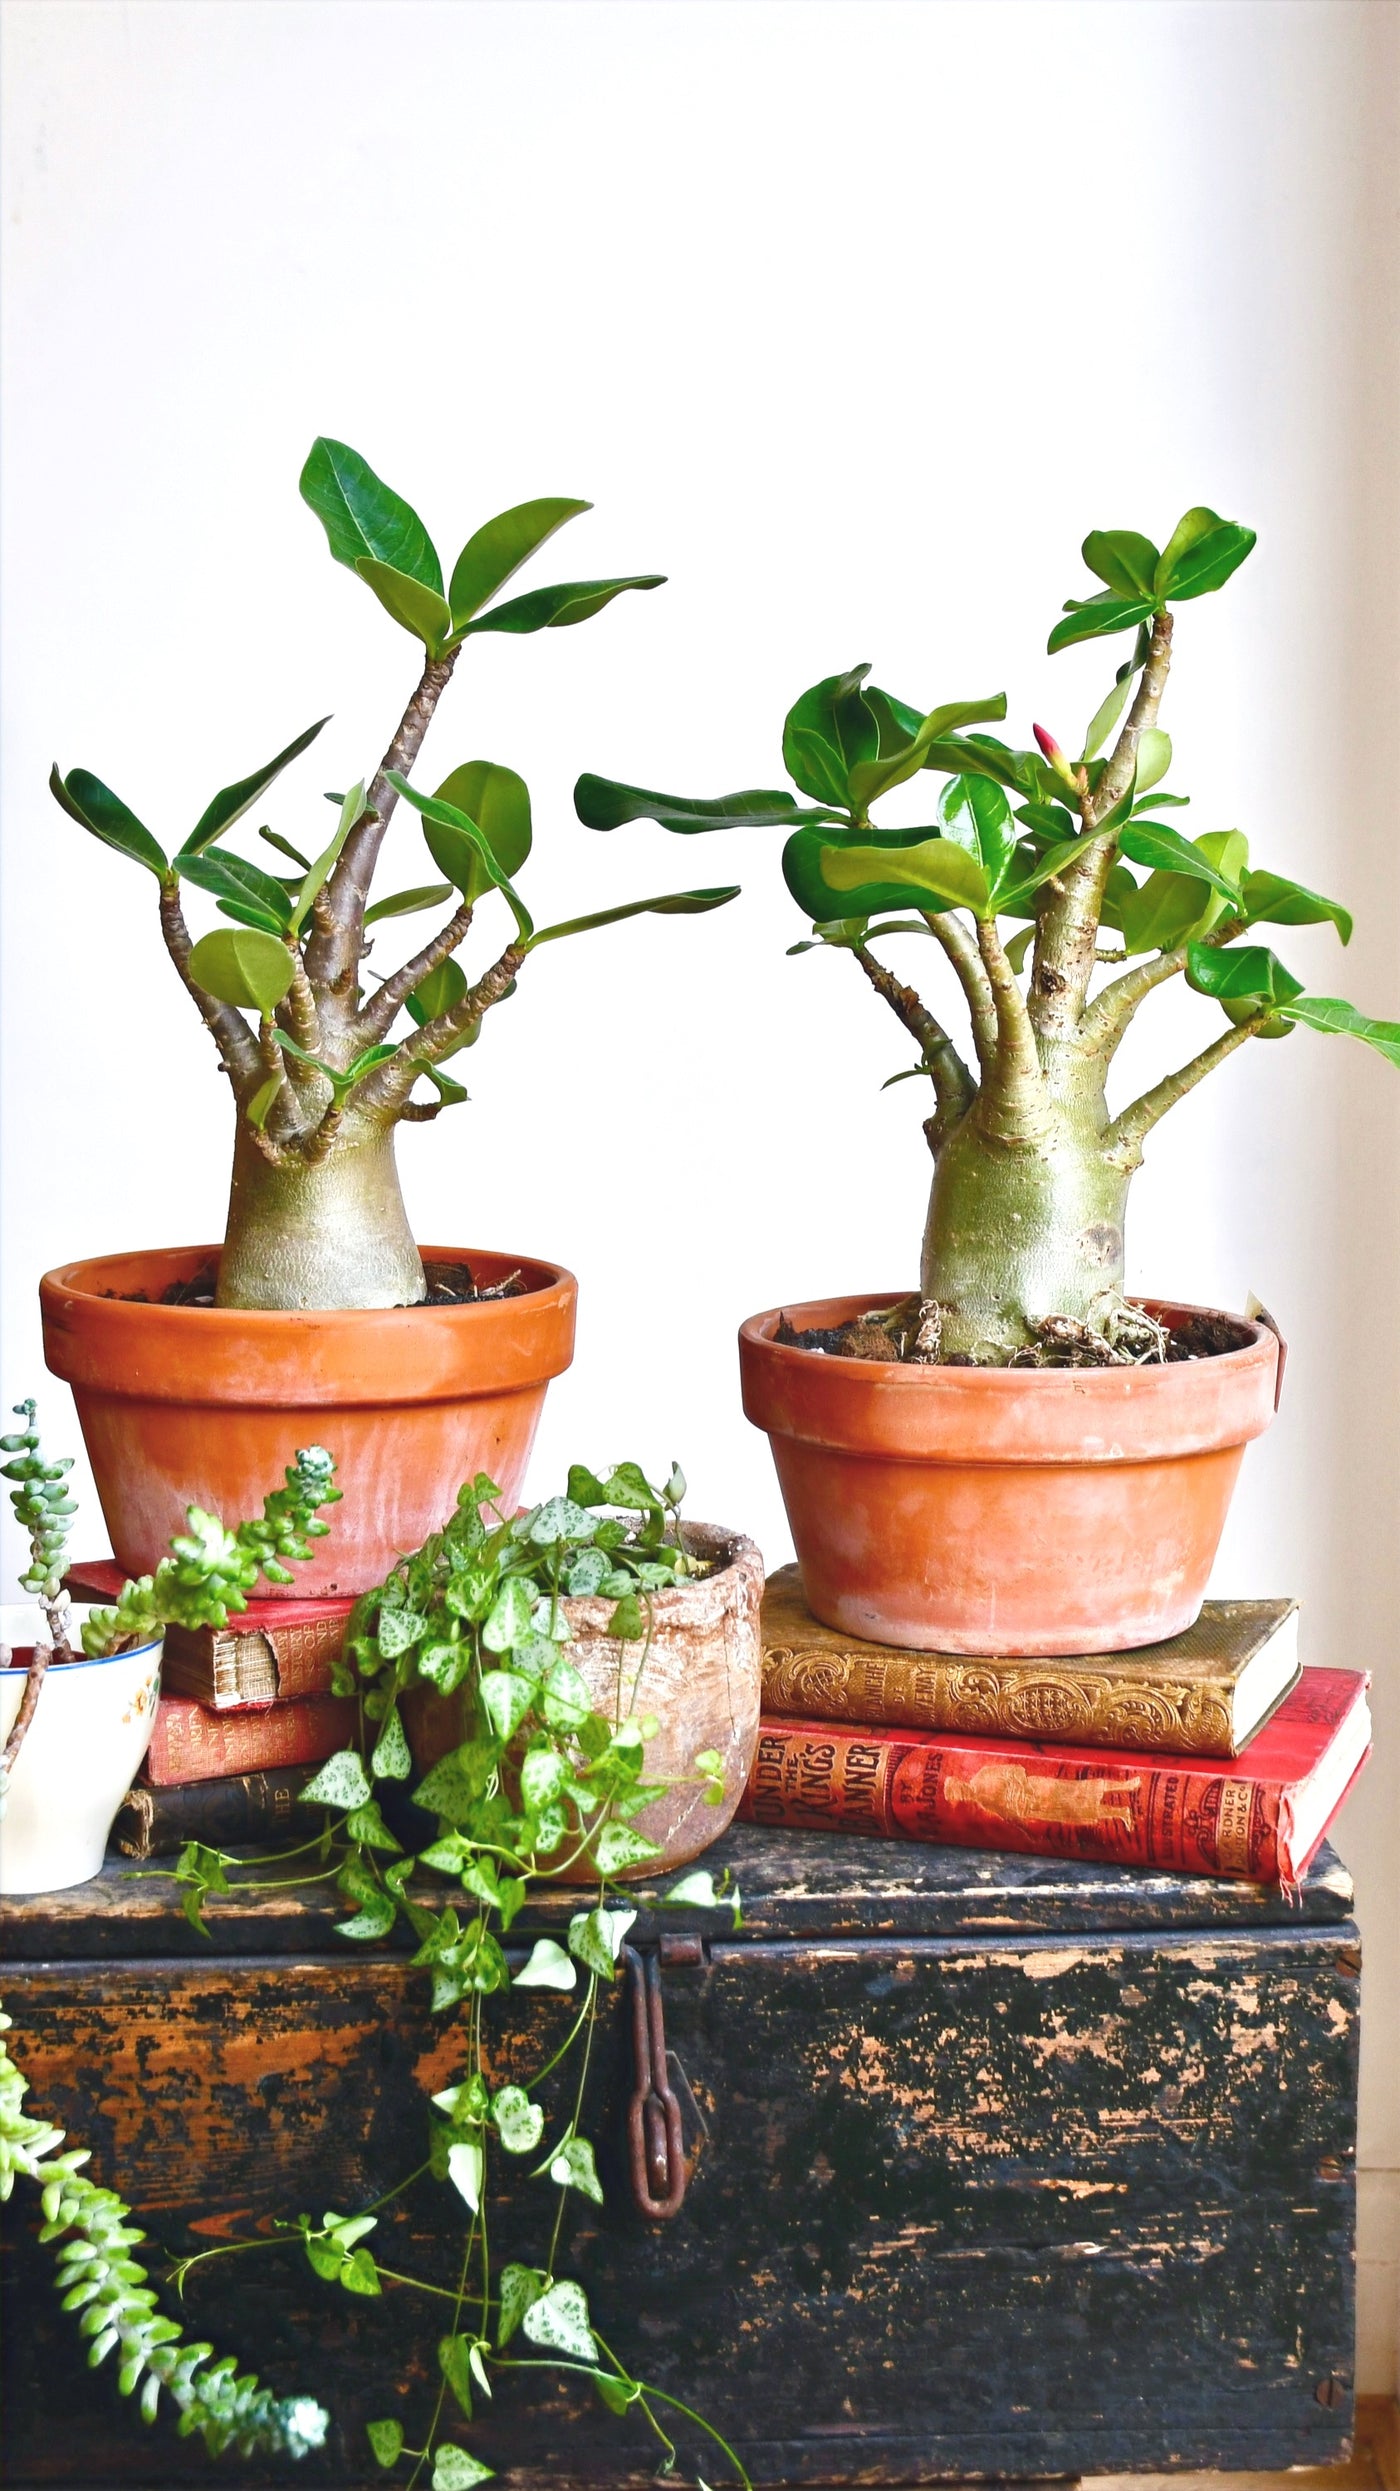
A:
191	1743
242	1664
919	1691
248	1807
1009	1798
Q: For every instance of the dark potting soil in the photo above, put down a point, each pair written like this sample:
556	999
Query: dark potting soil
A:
907	1335
449	1284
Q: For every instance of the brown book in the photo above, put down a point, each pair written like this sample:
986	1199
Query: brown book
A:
193	1743
1262	1820
238	1808
1204	1693
269	1651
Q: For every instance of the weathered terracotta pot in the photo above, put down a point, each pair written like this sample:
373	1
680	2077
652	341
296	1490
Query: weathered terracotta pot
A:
699	1677
987	1509
207	1405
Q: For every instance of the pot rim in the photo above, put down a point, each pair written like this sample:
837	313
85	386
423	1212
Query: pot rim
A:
757	1332
75	1280
877	1409
743	1557
78	1612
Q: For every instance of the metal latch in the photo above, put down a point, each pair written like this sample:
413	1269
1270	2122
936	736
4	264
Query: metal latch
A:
655	2142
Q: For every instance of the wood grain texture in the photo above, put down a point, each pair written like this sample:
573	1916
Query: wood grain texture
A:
1036	2203
793	1885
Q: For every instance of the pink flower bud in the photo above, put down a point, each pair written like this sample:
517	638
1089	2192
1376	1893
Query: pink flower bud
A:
1055	756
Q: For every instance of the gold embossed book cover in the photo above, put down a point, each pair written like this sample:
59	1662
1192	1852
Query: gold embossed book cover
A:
1204	1693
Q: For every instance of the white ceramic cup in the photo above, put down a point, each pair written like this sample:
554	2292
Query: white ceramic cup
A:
90	1730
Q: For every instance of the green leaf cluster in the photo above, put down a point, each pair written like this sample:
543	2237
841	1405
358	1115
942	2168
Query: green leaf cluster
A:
42	1504
541	1779
1200	555
373	531
210	1571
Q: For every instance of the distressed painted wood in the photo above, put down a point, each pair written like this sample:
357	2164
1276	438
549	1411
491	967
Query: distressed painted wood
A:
793	1885
1015	2195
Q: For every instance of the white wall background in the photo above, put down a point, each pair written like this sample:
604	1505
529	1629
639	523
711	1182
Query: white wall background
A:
853	318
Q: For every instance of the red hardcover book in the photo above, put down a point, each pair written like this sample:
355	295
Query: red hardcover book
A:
192	1743
268	1651
1262	1816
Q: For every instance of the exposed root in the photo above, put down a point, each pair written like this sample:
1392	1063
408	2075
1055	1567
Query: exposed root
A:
911	1333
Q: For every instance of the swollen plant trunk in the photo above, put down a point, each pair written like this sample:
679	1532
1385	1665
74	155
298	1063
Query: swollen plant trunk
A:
330	1234
1024	1229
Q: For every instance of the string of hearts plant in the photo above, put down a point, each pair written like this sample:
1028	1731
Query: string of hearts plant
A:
1023	1248
542	1785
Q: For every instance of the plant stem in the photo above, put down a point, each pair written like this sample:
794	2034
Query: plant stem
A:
237	1047
1125	1135
384	1091
376	1017
1068	926
333	953
954	939
953	1085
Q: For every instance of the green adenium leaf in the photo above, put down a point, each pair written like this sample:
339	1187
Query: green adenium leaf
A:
250	968
1126	562
1201	555
1090	618
86	800
606	803
497	550
1334	1018
1273	900
1247	974
231	803
363	517
553	609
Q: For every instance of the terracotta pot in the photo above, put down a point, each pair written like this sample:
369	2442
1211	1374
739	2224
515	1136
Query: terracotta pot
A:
996	1510
92	1725
206	1405
699	1677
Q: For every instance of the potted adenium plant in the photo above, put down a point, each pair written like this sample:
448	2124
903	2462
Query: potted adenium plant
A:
67	1760
192	1367
1015	1457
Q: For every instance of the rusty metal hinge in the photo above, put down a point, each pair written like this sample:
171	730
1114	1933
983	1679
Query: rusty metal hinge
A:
656	2150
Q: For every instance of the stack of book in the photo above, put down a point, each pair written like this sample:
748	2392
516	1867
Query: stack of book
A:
1214	1753
245	1715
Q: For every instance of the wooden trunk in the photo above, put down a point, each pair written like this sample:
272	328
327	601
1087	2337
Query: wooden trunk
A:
995	2166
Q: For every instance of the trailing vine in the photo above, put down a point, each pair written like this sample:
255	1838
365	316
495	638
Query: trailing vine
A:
111	2294
545	1781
